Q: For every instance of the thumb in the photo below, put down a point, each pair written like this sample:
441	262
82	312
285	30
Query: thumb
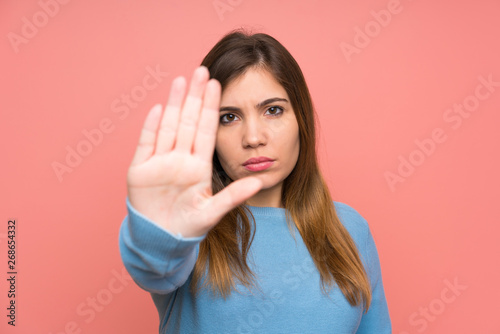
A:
234	194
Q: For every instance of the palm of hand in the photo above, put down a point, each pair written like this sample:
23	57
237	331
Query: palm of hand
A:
169	180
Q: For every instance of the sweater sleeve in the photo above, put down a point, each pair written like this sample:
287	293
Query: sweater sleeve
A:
157	260
377	319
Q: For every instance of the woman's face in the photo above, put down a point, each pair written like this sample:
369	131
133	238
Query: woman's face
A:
257	121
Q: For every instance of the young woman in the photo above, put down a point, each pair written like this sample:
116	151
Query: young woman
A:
230	225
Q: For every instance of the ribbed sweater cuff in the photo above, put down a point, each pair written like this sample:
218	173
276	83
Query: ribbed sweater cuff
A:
148	235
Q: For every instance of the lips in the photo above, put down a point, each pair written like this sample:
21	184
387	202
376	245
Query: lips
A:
256	160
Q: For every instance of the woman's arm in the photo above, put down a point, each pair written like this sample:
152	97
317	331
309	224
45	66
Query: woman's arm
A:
157	260
169	186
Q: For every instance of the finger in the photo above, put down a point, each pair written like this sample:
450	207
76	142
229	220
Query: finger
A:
147	139
233	195
170	120
209	121
191	110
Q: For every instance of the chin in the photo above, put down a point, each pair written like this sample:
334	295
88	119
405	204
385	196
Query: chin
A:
268	181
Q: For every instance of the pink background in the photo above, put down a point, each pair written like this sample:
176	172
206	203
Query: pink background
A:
436	226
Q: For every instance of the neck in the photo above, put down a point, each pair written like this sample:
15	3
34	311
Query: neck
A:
270	197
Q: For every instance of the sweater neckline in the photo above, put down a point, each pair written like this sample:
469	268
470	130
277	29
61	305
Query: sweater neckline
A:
266	210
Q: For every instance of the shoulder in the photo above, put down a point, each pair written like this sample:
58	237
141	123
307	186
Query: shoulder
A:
353	221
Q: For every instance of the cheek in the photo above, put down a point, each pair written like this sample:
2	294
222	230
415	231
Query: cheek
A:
292	138
295	145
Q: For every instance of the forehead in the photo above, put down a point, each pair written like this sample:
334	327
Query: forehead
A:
255	85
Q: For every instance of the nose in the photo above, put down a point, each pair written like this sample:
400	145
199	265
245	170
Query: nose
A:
254	132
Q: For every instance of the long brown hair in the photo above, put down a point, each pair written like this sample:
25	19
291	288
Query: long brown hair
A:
305	194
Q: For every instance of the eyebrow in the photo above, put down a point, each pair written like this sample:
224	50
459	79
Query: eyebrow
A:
258	106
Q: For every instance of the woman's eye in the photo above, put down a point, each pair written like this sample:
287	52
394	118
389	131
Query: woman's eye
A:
228	118
275	110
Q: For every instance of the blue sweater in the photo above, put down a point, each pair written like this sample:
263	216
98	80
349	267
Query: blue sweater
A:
290	300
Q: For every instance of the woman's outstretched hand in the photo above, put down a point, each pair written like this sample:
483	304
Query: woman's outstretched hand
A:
170	178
